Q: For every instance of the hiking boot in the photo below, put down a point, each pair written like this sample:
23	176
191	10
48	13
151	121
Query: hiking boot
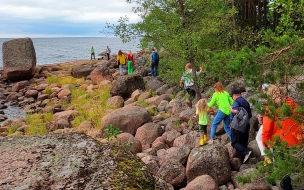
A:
247	157
267	161
202	142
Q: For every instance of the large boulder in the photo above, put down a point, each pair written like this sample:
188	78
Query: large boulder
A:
82	70
101	73
73	161
128	119
210	160
124	86
19	59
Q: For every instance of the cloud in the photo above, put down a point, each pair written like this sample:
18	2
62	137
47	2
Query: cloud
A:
55	18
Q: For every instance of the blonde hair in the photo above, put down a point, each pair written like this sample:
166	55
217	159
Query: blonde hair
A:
219	87
276	93
201	106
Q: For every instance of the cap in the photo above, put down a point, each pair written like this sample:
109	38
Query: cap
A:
235	91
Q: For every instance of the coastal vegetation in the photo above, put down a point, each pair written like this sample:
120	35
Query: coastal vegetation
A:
258	41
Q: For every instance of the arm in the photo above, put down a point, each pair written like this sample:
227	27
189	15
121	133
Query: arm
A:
212	101
200	71
267	132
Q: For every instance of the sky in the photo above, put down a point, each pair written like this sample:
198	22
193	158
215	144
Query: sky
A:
60	18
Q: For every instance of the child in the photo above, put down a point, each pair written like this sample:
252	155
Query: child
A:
188	82
130	62
201	114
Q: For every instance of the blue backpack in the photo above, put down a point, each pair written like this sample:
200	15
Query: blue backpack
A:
155	57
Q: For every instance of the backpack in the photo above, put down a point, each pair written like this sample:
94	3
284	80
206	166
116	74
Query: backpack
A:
240	120
155	57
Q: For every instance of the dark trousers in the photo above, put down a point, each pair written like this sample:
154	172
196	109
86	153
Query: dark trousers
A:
154	69
239	141
108	56
92	55
191	93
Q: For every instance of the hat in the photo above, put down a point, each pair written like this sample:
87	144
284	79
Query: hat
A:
235	91
264	86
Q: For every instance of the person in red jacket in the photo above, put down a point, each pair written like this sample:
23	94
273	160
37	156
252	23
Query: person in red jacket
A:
286	128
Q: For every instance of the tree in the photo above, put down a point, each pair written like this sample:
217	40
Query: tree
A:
183	28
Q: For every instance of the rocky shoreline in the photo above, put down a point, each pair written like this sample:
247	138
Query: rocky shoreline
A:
162	132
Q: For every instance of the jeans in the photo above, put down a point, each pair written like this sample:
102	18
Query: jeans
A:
220	116
154	70
121	70
108	56
239	141
191	93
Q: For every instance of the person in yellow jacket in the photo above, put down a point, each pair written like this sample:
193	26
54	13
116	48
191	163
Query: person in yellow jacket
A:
121	60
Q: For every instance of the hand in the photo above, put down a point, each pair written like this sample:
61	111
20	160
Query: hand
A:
201	69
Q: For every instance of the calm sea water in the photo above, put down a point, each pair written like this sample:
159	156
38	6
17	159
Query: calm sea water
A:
58	50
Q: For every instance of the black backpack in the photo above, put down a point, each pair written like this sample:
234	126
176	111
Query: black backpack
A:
240	119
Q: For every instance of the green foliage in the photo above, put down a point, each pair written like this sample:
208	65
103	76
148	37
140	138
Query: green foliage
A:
287	162
111	132
142	103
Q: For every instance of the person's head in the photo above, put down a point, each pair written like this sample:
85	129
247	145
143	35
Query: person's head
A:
235	92
119	52
188	66
153	49
218	87
201	106
276	93
92	47
130	52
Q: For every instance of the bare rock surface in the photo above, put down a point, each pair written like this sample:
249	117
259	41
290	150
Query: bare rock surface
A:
69	161
19	59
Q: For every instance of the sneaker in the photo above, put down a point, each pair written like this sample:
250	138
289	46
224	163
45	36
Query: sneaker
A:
267	161
247	157
202	142
210	141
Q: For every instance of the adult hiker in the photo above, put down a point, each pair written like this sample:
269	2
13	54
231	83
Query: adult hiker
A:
108	50
154	60
223	101
92	53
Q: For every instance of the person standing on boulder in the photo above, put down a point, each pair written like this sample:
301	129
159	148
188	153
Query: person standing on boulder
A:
223	101
130	62
108	50
92	53
239	138
188	82
154	60
121	60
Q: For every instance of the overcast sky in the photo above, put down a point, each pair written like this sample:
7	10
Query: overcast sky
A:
60	18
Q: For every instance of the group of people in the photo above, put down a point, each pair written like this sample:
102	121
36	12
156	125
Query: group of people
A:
92	52
230	104
123	59
128	58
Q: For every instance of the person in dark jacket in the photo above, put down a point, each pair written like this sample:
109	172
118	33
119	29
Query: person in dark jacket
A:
239	140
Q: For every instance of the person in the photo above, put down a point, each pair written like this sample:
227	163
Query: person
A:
287	128
258	137
223	101
92	53
239	139
130	62
154	60
201	113
188	82
108	50
121	60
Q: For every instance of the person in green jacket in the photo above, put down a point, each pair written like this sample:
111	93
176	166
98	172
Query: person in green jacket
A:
92	53
223	101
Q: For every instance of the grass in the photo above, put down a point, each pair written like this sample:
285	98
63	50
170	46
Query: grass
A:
91	106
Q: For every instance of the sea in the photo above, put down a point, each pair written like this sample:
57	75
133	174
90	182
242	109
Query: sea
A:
59	50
